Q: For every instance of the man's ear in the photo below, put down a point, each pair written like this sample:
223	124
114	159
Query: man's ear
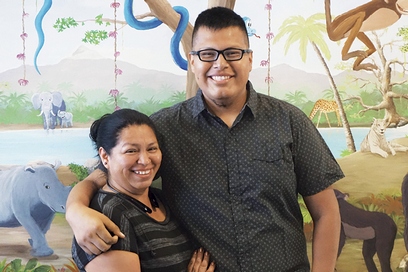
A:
251	59
191	61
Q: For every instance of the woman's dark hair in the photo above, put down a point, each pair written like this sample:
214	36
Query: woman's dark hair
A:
105	131
218	18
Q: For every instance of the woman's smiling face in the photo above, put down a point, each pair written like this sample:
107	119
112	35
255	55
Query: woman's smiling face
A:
134	161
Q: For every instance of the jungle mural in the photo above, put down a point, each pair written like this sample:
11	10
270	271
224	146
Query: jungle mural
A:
65	63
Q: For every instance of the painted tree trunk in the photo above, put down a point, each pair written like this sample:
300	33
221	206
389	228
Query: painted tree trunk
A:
162	10
349	136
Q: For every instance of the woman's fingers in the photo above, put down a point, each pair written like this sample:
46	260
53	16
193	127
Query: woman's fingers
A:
190	267
200	262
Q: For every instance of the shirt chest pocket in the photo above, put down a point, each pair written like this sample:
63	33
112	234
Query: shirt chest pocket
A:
269	152
273	162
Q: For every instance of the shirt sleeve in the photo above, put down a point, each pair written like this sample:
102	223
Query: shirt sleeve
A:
315	166
122	219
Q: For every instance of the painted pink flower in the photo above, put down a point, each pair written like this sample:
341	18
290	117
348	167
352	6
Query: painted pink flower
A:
116	54
268	79
117	108
25	14
268	7
264	63
21	56
113	34
115	5
24	36
114	92
269	35
22	82
118	71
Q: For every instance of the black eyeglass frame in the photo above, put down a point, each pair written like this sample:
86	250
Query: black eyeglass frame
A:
243	51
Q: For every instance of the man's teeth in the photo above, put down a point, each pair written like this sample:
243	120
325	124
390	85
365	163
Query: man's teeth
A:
220	78
142	172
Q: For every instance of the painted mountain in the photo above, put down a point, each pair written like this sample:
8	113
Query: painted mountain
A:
88	72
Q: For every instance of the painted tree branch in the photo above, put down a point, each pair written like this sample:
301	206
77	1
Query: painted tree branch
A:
112	21
366	107
384	84
162	10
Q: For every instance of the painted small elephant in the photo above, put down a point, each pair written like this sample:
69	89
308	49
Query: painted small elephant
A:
50	104
30	197
377	229
66	118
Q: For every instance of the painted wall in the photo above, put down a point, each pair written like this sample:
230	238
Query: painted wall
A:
135	68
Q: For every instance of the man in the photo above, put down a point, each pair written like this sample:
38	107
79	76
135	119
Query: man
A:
233	164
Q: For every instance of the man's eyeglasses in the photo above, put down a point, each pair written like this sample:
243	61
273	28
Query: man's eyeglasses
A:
230	54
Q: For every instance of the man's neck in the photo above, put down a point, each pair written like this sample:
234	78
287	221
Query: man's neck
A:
227	113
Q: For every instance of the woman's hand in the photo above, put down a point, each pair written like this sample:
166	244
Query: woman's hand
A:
200	262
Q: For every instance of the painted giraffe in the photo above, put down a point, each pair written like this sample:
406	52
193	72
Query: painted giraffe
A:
325	106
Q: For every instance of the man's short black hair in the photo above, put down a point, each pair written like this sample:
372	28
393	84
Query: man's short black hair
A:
219	18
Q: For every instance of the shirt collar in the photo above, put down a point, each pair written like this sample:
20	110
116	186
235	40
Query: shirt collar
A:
199	105
252	103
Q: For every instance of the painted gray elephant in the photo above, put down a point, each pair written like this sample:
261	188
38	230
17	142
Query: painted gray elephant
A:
50	104
66	118
30	197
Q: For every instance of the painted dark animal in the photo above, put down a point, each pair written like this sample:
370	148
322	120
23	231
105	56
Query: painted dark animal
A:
377	230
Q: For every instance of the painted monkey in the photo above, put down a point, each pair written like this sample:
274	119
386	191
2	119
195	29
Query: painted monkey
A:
374	15
377	230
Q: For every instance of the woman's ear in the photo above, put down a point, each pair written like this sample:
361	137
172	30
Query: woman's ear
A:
104	157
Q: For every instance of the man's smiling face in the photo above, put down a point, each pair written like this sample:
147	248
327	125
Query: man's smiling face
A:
222	82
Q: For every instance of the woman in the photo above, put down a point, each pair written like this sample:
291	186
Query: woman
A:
130	156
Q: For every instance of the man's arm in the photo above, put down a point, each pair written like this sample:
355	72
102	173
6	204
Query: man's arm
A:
120	260
91	228
114	260
324	209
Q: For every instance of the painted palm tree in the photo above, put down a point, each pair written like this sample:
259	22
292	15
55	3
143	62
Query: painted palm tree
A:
178	97
328	94
149	106
121	100
44	87
297	98
175	98
3	98
102	107
311	31
78	100
136	87
16	106
65	87
15	100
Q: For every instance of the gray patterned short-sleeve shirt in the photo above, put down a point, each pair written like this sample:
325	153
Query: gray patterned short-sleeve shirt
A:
236	189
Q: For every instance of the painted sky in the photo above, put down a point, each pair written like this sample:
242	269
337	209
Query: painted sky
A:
150	48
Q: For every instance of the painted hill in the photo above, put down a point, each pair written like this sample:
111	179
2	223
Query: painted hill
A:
88	72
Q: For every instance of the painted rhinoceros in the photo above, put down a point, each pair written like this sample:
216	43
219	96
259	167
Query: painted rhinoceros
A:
30	196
